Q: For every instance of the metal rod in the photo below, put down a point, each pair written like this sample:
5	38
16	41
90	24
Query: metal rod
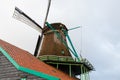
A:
74	28
73	47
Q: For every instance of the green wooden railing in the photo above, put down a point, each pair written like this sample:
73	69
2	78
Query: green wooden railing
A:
56	58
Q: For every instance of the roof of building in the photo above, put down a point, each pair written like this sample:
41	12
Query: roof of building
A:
26	62
57	26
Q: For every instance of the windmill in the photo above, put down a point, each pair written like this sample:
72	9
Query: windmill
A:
52	46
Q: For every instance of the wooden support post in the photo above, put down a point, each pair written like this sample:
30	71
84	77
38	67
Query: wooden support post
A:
81	76
70	70
88	76
57	65
85	72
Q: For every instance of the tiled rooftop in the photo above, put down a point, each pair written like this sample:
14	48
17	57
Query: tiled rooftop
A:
27	60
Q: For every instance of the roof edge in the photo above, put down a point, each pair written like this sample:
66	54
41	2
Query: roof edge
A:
39	74
9	58
36	73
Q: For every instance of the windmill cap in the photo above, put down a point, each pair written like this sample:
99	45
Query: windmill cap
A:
57	26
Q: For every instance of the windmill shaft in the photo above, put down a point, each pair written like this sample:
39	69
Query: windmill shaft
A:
48	8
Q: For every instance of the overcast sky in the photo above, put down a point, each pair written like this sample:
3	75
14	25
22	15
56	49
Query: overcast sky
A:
100	21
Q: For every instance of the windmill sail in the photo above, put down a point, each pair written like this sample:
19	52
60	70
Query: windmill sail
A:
37	46
21	16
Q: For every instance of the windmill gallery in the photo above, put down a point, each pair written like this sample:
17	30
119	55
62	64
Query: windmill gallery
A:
53	58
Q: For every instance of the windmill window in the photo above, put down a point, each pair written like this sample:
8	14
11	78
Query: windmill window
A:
62	52
23	79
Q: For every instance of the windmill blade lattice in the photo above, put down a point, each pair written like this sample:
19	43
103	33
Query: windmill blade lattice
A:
21	16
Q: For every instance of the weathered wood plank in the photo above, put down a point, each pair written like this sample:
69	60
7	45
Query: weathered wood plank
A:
9	72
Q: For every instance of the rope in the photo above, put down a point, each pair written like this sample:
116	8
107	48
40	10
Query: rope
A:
81	44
